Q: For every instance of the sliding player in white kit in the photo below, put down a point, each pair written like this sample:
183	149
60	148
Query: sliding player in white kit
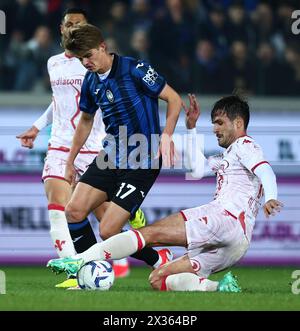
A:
217	234
66	77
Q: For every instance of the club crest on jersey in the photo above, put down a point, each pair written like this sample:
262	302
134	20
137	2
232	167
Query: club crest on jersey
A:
195	265
224	165
109	95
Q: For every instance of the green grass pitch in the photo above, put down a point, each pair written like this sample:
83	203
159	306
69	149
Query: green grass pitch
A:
32	288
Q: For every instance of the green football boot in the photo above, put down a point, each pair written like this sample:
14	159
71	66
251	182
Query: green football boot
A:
67	264
229	283
139	220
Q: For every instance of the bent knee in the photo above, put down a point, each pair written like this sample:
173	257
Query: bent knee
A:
73	214
107	232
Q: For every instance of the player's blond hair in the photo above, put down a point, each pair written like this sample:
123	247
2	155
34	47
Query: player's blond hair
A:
81	39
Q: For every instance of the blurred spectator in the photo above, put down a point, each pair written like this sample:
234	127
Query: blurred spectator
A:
140	15
238	70
25	17
188	41
273	77
30	59
249	5
112	45
239	26
12	58
205	69
214	29
284	14
118	26
292	55
139	45
264	25
197	9
172	42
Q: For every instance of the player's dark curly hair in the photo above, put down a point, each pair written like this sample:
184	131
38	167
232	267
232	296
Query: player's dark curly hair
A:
75	10
233	106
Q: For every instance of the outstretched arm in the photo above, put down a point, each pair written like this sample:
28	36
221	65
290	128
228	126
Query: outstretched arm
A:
268	179
28	137
196	161
45	119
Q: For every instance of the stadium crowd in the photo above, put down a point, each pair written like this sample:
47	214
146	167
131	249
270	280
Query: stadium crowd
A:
200	46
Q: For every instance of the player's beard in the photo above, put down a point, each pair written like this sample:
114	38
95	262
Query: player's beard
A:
225	142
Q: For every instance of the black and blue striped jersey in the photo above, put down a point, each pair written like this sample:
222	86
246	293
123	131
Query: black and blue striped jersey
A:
128	99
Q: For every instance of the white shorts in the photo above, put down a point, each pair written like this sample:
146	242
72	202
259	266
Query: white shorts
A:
216	240
55	164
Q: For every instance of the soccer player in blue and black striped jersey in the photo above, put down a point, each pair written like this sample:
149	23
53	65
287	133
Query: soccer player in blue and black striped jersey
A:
127	91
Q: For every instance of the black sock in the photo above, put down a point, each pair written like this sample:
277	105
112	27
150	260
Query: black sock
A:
83	235
147	254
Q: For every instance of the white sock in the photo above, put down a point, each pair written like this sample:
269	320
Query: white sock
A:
117	247
59	231
187	281
121	262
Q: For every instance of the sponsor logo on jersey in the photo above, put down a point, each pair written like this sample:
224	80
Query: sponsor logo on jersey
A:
109	95
150	77
62	81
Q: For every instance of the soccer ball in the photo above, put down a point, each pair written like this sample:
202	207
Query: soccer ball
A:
96	275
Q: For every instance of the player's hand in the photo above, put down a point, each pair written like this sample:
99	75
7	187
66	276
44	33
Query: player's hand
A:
28	137
192	112
271	207
167	150
70	174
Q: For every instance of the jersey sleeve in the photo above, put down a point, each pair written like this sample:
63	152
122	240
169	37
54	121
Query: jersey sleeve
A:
195	159
87	104
250	154
214	162
147	78
45	119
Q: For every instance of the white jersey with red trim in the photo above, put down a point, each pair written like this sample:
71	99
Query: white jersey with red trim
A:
239	190
66	77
